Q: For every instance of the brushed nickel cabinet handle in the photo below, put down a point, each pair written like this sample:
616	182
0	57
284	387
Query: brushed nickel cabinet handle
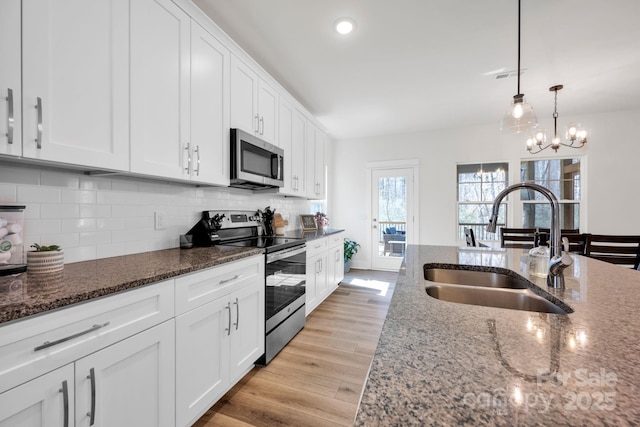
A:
222	282
65	402
188	150
48	344
39	124
228	329
197	151
92	413
237	314
10	119
261	127
257	124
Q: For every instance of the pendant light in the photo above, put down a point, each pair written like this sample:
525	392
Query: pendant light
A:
520	117
575	135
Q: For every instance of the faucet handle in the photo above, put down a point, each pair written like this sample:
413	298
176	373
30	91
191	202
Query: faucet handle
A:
565	244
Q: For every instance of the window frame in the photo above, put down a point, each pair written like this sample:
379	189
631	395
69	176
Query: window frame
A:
490	237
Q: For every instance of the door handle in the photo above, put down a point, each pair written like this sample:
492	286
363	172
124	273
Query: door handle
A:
10	120
92	413
188	150
261	127
197	151
65	403
228	328
39	124
237	314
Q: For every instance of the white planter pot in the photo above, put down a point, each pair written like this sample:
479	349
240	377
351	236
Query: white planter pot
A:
45	262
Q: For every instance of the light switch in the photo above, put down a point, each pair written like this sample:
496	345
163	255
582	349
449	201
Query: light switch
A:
159	221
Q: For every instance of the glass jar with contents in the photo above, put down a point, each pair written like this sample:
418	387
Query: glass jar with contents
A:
11	245
539	256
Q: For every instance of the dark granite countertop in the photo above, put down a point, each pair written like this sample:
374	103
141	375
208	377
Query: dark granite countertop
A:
28	294
440	363
312	235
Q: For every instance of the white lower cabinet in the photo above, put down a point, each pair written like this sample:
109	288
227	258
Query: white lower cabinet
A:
325	268
45	401
336	260
218	341
131	383
128	383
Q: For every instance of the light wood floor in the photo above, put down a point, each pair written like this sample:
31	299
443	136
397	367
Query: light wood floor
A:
318	378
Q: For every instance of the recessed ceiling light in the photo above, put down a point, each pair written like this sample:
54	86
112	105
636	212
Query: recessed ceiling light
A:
344	25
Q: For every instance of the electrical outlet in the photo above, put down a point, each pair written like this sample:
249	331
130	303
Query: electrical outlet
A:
159	220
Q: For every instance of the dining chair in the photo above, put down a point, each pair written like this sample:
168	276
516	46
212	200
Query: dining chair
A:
469	236
615	249
522	238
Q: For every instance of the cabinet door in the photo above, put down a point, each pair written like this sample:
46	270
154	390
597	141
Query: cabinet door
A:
336	267
202	358
10	84
285	141
76	82
298	152
310	162
247	334
47	401
267	111
244	97
319	167
130	383
209	108
160	62
314	282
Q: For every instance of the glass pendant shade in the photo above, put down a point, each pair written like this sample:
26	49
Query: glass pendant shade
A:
519	118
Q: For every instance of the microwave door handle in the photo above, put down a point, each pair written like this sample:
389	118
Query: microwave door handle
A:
280	160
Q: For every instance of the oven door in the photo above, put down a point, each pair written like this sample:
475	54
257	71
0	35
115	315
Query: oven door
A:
285	284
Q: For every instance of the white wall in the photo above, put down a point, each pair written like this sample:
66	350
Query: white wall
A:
98	217
609	188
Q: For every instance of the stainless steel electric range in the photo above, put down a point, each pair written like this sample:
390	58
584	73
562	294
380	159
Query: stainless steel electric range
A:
285	271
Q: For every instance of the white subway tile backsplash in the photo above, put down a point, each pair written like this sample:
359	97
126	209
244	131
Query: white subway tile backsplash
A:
48	210
24	175
34	227
29	193
8	194
90	238
102	216
78	196
74	225
59	179
95	211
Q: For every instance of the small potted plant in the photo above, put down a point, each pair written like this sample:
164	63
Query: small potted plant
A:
350	249
45	259
321	220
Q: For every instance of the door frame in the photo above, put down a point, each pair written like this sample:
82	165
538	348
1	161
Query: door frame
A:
412	231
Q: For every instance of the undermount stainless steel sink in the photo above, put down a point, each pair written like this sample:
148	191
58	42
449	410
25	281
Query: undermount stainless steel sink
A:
515	299
489	287
490	279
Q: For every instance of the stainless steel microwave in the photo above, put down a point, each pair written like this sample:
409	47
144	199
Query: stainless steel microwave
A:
255	164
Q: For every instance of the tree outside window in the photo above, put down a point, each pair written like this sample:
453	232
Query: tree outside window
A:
478	186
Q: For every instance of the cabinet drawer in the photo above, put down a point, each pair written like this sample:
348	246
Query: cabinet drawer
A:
316	246
195	289
336	240
34	346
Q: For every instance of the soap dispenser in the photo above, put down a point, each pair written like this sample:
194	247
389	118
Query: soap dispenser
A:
539	256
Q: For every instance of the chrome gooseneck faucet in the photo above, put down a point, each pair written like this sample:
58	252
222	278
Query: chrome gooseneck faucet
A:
559	260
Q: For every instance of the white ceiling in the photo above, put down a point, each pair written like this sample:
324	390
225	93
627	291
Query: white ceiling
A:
417	65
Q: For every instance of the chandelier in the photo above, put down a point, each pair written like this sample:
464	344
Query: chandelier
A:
520	116
575	136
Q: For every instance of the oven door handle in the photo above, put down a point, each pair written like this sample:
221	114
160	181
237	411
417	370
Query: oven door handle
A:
285	253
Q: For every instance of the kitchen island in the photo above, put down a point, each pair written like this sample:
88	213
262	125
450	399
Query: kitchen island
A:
443	363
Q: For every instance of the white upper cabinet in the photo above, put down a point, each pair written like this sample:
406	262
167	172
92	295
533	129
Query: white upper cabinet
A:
209	108
160	89
179	96
10	85
75	81
291	136
254	103
315	163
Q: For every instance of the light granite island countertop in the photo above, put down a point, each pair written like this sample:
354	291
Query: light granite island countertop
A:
441	363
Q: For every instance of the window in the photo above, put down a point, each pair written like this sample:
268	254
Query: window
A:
562	177
478	186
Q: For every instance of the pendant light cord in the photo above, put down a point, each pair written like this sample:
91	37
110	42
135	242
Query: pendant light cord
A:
519	46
